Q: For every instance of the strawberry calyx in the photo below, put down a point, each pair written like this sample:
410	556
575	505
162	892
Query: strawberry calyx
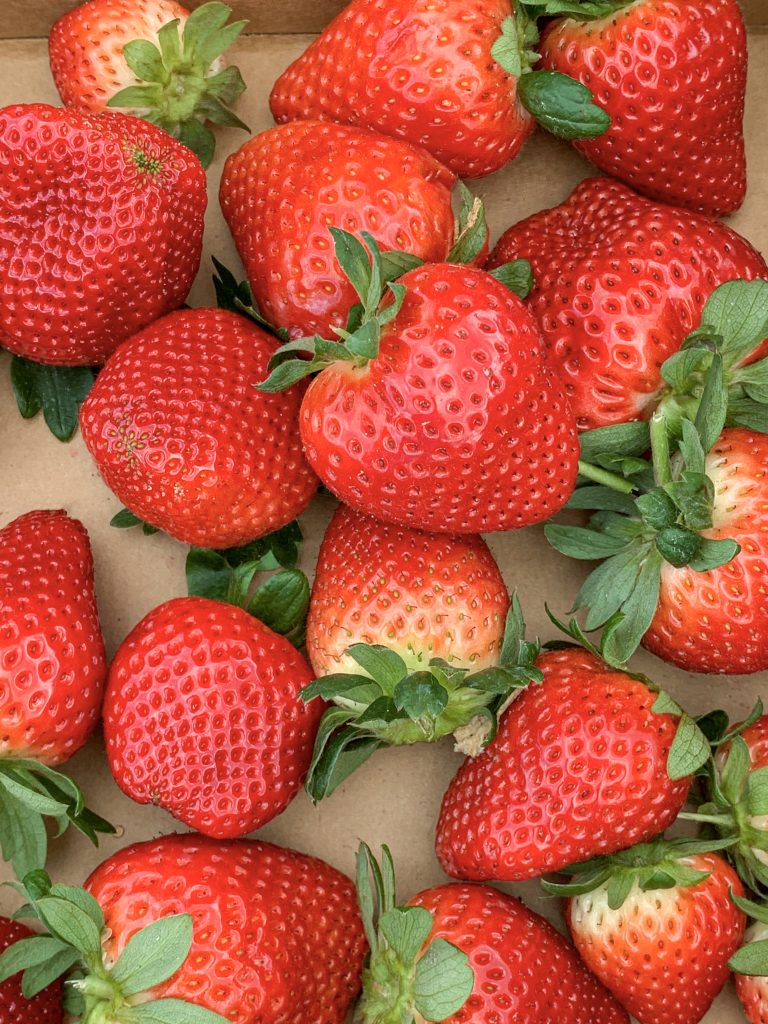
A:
30	792
562	105
374	274
391	703
659	864
406	975
98	990
183	85
237	297
752	958
230	575
56	391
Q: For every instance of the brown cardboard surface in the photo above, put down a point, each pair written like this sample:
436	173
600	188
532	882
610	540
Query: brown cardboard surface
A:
395	797
30	18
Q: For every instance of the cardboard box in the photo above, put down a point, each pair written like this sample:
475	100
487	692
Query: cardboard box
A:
396	796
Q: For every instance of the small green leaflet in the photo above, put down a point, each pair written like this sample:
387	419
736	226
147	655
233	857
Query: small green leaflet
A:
444	981
406	929
751	959
126	520
153	954
173	1011
472	229
58	391
562	105
517	276
737	311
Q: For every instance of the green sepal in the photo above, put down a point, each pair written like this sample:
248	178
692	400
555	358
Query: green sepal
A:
237	297
580	10
58	391
563	106
471	229
186	88
126	520
517	276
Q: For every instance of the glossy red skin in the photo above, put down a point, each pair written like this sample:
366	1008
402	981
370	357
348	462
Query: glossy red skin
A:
672	76
756	738
202	716
620	281
420	70
426	595
284	188
86	47
525	971
752	990
667	959
93	245
277	934
45	1008
187	442
459	425
717	621
577	770
52	661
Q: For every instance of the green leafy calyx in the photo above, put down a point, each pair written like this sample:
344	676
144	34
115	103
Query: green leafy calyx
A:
182	84
98	991
407	974
389	704
57	391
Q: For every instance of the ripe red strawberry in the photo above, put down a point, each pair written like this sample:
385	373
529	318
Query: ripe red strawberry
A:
486	956
46	1007
672	76
750	964
717	621
252	933
285	187
151	56
581	765
185	440
657	925
52	662
440	411
202	716
620	281
424	595
119	247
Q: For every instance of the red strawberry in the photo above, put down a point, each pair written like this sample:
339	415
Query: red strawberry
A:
580	766
184	439
424	595
672	76
717	621
750	965
422	71
52	662
467	954
119	246
284	188
657	926
202	717
440	411
113	53
46	1007
252	933
619	283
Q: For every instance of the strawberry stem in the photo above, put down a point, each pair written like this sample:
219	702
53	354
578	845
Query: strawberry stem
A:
606	478
662	469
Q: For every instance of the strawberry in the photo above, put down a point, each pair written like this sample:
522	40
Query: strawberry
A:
186	930
152	56
439	409
283	190
672	76
620	281
44	1008
450	76
164	423
588	762
657	925
750	964
52	672
467	954
102	231
423	595
202	717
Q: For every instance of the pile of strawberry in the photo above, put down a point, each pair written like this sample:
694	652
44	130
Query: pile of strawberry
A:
609	356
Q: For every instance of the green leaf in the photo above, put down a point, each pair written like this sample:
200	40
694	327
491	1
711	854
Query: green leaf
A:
638	610
199	139
754	380
282	601
514	633
757	791
657	509
208	574
24	791
394	264
472	229
714	725
58	390
677	545
622	439
608	586
406	929
227	85
679	370
23	838
154	954
420	695
125	520
444	981
342	756
691	448
618	888
173	1011
599	497
738	312
136	97
751	959
713	553
145	61
210	108
506	50
735	771
690	749
28	953
562	105
354	260
68	922
517	276
42	975
713	408
747	413
202	23
81	899
666	705
581	542
381	663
